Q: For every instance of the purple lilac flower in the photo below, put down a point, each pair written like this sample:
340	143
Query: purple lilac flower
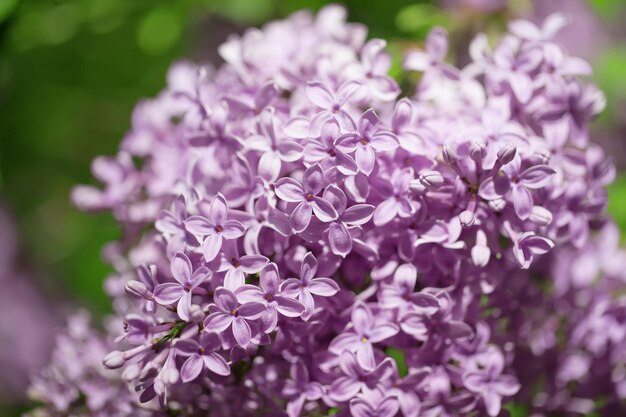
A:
366	141
270	294
181	291
489	383
356	379
305	194
201	354
309	285
237	267
365	332
300	389
228	313
213	226
441	254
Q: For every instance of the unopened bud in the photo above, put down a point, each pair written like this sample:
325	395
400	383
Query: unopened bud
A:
131	372
114	360
481	255
431	179
467	219
136	289
196	314
497	205
506	153
477	151
540	216
449	155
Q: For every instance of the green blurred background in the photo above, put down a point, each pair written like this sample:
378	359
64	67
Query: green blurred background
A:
71	72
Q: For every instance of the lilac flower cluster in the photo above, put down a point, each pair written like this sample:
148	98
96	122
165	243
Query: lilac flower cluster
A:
75	383
300	240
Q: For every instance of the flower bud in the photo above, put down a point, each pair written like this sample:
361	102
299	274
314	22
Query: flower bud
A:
196	314
131	372
540	216
431	179
481	255
136	289
506	153
114	360
497	205
477	151
449	155
467	219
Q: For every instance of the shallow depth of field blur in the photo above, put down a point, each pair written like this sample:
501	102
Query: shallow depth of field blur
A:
72	70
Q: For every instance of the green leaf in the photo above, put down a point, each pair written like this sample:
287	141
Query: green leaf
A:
159	30
398	356
517	410
617	202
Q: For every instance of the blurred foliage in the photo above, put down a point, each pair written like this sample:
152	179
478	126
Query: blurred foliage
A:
617	203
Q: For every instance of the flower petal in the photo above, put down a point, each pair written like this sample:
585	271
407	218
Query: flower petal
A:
225	300
288	306
184	305
168	293
358	215
383	332
319	94
339	239
181	268
241	331
218	210
211	246
216	363
251	264
252	310
365	159
324	287
362	319
191	368
290	190
324	210
218	322
301	217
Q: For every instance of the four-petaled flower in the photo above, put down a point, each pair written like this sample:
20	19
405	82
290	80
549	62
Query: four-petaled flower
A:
182	290
366	141
308	285
332	104
400	292
517	183
213	226
269	293
305	194
201	355
339	236
300	389
366	331
236	267
490	383
356	379
227	312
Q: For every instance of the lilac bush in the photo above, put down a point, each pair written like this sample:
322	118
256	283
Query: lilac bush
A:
298	239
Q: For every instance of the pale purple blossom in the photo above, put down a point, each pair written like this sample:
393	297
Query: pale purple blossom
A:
181	291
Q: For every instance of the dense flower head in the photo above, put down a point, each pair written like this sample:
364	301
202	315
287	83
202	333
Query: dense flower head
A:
301	239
